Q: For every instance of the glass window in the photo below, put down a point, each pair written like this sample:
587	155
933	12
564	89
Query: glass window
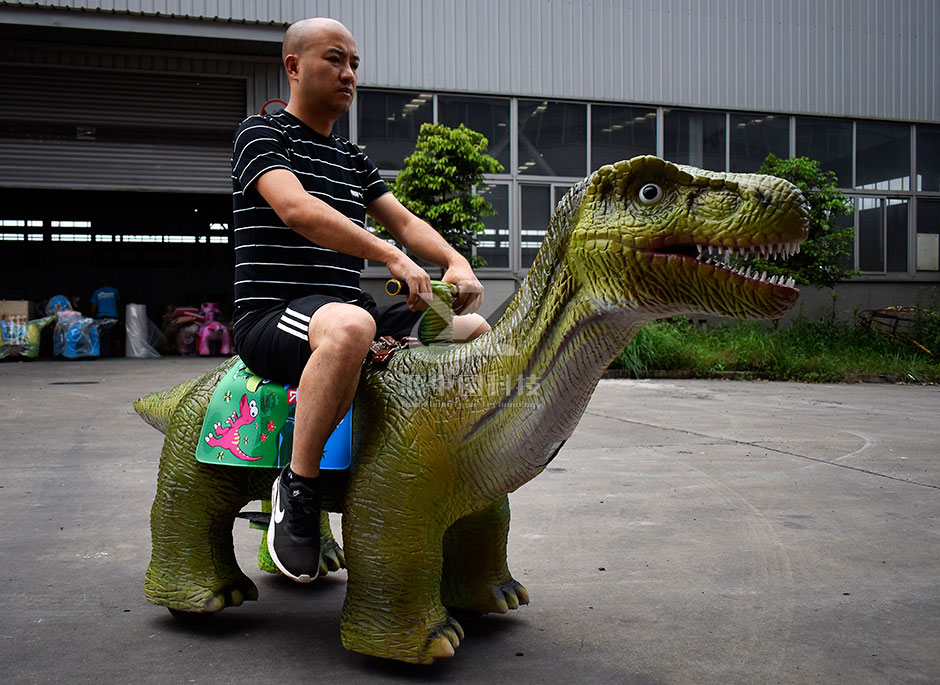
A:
493	245
389	125
882	234
896	232
552	138
489	116
883	156
754	136
928	235
621	133
870	234
928	158
536	212
828	141
696	138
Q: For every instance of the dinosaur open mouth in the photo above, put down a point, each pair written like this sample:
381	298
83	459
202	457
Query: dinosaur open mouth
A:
738	260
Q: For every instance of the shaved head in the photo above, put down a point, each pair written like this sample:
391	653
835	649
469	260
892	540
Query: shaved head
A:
303	33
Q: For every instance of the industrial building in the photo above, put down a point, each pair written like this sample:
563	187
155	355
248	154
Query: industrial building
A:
117	116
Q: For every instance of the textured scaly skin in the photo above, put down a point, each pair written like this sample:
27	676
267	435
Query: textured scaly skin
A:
453	429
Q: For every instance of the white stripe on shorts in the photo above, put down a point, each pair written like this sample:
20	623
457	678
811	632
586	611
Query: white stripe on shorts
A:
295	323
293	332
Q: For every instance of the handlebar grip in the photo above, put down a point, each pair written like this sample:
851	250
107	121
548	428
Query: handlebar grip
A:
395	287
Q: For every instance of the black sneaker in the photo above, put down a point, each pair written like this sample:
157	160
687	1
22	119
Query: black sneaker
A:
294	531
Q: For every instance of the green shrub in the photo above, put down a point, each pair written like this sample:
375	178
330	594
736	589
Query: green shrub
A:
808	350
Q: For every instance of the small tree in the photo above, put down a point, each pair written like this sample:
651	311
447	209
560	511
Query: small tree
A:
438	180
822	257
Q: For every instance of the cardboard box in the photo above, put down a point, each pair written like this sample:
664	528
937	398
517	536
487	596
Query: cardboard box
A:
13	308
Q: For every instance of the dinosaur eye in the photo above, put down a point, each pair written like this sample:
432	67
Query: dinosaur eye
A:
650	194
253	408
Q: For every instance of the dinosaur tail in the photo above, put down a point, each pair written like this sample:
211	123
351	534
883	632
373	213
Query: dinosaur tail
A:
156	409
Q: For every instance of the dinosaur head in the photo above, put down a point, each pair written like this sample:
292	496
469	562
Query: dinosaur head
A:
657	237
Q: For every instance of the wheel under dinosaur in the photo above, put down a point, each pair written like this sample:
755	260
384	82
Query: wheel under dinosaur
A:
441	434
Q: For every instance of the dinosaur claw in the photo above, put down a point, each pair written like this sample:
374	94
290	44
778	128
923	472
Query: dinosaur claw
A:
451	635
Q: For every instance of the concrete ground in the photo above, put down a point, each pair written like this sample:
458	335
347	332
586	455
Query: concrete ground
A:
689	532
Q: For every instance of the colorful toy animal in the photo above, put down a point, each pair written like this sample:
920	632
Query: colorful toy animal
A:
443	433
212	331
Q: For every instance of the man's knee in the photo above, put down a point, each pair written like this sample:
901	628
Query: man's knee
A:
342	327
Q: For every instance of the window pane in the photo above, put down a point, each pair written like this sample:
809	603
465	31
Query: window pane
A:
558	192
896	233
536	212
753	137
552	138
870	235
489	116
883	156
696	138
621	133
846	261
389	124
493	245
928	158
928	235
828	141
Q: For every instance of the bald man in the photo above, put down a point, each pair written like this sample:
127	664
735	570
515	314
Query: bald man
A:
301	195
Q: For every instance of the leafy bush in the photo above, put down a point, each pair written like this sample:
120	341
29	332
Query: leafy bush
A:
438	180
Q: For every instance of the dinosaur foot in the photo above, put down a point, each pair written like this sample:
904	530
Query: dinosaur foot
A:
496	599
184	601
404	642
444	640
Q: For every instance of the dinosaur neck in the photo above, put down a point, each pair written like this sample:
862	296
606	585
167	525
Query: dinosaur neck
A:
543	360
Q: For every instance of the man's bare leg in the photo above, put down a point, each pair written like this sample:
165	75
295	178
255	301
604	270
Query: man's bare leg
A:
469	326
339	336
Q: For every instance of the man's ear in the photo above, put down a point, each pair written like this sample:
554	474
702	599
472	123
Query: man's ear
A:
291	64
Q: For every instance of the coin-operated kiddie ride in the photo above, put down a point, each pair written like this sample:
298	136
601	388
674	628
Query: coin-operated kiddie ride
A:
441	433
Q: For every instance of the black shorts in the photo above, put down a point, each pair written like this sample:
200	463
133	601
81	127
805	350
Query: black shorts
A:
274	343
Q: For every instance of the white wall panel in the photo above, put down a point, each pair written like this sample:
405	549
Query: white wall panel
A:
864	58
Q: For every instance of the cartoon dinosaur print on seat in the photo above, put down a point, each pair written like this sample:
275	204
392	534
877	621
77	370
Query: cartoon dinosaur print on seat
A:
227	436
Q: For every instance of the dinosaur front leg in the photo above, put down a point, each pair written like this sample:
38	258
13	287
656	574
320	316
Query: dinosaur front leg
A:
193	566
476	577
393	608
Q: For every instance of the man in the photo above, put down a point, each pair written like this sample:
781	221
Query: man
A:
300	200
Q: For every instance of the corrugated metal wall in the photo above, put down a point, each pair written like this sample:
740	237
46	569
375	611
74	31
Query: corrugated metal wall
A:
861	58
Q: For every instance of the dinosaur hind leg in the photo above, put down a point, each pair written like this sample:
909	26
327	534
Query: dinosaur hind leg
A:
475	576
193	566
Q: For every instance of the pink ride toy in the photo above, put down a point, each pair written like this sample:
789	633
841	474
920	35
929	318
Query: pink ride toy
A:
212	332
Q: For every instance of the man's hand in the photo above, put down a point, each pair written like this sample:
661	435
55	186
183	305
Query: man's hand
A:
419	283
470	296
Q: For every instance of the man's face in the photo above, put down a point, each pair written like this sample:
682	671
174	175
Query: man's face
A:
324	72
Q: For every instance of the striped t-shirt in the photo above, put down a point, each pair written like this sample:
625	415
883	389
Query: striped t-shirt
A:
274	264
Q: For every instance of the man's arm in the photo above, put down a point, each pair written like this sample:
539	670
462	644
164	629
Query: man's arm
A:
323	225
418	236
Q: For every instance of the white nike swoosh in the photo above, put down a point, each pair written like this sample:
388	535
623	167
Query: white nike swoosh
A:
279	514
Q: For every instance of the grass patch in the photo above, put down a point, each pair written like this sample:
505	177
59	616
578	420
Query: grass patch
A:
815	351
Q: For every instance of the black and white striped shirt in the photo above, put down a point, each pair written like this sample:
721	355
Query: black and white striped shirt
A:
274	264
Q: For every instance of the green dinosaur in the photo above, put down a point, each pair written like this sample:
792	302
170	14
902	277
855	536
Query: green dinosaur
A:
452	429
